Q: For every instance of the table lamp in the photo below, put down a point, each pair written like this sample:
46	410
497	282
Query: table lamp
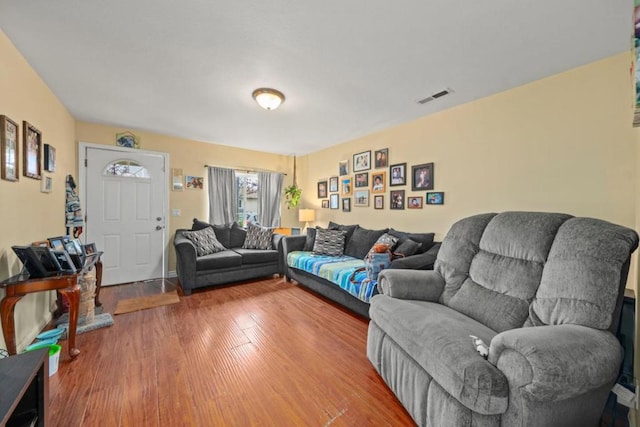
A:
306	215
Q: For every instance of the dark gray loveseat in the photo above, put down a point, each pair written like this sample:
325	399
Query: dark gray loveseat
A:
543	290
230	265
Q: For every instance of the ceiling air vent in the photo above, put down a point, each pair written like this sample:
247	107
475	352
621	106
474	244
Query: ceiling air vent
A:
435	96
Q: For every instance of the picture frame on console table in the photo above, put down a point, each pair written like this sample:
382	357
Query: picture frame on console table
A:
10	148
32	149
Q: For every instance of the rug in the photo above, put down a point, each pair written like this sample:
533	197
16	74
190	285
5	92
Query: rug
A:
100	321
143	303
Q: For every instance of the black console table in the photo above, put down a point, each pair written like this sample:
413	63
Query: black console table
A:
24	395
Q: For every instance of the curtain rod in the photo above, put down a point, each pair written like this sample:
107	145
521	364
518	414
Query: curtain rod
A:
243	169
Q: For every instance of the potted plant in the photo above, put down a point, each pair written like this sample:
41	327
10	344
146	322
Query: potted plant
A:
293	193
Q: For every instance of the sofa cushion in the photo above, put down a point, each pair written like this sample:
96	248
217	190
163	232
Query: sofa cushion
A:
437	338
236	236
258	237
348	228
329	242
407	248
361	242
425	238
581	278
204	240
258	256
224	259
311	238
199	225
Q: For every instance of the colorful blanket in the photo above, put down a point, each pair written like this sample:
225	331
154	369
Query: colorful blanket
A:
337	270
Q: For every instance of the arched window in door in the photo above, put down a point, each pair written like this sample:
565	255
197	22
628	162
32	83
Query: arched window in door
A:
127	169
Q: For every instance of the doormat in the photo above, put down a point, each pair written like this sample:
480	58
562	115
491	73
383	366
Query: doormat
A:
99	321
143	303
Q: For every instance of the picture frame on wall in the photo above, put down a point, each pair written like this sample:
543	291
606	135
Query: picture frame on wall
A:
346	204
435	198
333	184
362	180
381	158
414	202
322	189
47	184
10	148
49	158
362	161
32	149
334	201
343	167
397	199
195	182
325	204
346	188
398	174
422	177
378	182
378	202
361	198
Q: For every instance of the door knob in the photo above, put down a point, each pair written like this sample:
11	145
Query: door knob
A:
158	227
159	218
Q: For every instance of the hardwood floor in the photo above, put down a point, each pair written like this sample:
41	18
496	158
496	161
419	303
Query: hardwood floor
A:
266	353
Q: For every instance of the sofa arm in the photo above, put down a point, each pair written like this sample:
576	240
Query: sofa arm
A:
186	256
276	241
411	284
423	261
551	363
292	243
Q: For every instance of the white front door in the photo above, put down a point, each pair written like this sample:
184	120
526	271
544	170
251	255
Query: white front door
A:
125	211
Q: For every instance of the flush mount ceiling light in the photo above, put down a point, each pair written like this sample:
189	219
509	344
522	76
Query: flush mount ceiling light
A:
269	99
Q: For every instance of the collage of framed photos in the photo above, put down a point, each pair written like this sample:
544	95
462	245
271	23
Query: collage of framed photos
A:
56	255
374	178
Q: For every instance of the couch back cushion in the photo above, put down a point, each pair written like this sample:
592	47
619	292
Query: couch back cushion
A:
361	242
583	274
236	236
349	229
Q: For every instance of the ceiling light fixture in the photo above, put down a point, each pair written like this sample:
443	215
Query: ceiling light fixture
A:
269	99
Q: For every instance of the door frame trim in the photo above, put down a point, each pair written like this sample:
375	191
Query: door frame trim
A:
82	180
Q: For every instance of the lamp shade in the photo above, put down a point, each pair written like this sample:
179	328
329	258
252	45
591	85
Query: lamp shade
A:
269	99
306	215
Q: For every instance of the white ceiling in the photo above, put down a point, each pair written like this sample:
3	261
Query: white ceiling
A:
347	68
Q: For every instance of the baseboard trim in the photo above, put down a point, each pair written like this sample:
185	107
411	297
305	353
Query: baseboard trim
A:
171	274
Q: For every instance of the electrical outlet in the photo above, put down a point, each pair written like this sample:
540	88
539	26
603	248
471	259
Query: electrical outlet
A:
625	396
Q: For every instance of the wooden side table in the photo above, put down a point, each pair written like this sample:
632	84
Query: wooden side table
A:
18	286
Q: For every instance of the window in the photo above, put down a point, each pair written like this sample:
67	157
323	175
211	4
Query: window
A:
126	168
247	185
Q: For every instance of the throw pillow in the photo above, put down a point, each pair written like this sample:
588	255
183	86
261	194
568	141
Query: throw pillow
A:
387	239
237	236
425	238
348	228
199	225
205	241
329	242
311	238
407	248
258	237
361	241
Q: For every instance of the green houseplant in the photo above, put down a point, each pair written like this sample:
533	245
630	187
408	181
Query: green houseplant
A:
293	193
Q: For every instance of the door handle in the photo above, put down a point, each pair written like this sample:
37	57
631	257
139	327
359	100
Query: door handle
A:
159	218
159	227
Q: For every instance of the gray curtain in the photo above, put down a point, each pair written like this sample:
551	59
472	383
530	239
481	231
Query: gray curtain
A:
269	197
223	196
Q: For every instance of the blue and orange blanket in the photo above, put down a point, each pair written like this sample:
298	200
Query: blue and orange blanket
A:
337	270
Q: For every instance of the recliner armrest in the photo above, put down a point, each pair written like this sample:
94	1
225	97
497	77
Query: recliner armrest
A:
556	362
425	285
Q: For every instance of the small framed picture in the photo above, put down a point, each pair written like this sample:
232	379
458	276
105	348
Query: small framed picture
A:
422	177
49	158
194	182
346	204
378	182
435	198
397	199
362	180
378	202
10	148
414	202
381	158
57	243
361	198
32	149
47	185
334	201
325	203
89	248
322	189
343	167
127	139
346	186
398	174
333	184
65	261
362	161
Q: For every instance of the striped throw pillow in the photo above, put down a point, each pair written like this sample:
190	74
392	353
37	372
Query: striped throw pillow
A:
205	241
329	242
258	237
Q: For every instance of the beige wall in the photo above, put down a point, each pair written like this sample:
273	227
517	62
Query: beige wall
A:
27	214
191	156
564	143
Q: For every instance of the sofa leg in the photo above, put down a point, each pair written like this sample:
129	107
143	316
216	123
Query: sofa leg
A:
186	292
287	279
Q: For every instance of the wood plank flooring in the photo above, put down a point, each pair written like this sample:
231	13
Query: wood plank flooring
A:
265	353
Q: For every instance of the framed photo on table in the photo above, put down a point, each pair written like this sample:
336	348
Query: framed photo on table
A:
32	149
9	144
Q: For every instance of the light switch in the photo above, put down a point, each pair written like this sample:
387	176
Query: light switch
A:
175	212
